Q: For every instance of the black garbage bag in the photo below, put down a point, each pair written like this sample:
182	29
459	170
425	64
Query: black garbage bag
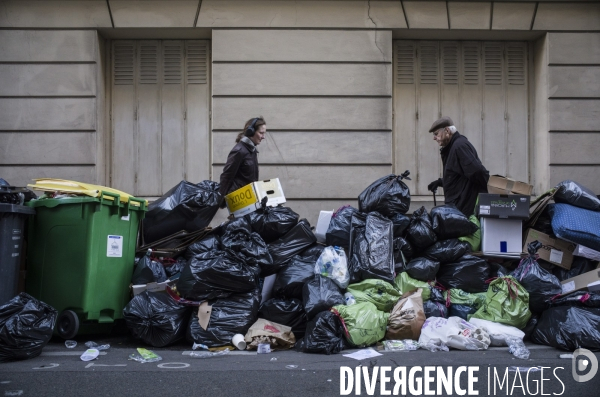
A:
469	273
435	309
461	311
387	195
338	232
447	251
579	266
187	206
156	318
26	326
420	232
544	223
449	222
401	223
175	268
497	270
217	274
320	294
272	222
294	242
571	192
530	327
569	328
313	252
577	298
372	249
324	334
250	246
229	316
540	283
291	279
148	270
422	269
212	242
403	253
233	224
288	312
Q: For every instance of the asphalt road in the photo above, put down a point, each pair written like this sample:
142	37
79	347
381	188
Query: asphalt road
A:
60	372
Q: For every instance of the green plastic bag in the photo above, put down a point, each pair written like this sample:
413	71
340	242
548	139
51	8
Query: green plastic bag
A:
506	302
405	283
380	293
474	239
363	323
460	297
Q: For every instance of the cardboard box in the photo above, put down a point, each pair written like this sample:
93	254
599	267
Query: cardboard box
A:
589	281
501	237
247	199
558	252
504	206
499	184
152	287
323	225
586	252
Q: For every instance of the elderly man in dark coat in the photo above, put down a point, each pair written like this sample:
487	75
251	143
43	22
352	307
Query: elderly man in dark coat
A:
464	175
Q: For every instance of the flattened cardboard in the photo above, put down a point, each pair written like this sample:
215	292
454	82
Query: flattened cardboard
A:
589	281
556	251
499	184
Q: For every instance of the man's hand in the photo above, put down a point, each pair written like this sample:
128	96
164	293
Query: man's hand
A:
433	186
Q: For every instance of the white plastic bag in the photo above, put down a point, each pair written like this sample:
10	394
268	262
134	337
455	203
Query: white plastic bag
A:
434	334
454	332
498	332
333	264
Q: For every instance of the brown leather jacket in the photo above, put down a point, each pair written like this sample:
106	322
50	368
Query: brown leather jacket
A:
241	167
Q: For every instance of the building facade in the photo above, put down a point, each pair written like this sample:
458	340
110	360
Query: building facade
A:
140	94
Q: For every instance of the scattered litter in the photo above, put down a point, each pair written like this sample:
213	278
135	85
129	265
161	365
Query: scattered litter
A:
328	380
70	344
90	354
264	348
400	345
207	354
199	346
273	359
565	356
13	393
517	348
145	356
94	345
292	367
363	354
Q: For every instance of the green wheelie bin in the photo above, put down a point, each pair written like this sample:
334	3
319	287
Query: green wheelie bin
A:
80	258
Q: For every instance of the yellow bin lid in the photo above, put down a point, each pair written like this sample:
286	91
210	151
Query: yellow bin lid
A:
62	185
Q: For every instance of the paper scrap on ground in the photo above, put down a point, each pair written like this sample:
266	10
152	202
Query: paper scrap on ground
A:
363	354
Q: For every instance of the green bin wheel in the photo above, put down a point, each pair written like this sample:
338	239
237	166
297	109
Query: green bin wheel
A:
67	324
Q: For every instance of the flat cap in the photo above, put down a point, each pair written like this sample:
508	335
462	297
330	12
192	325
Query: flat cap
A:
441	123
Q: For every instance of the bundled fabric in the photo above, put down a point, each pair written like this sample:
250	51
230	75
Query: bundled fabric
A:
187	206
449	222
26	326
506	302
569	328
422	269
447	251
294	242
148	270
278	336
273	222
291	279
364	325
403	251
420	232
319	295
462	311
571	192
332	263
156	318
407	318
378	292
324	334
469	273
371	248
212	242
405	283
250	246
288	312
217	274
435	309
338	232
575	224
579	266
401	223
577	298
229	316
541	284
387	195
474	240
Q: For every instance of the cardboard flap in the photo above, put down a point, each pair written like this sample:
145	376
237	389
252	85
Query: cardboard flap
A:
204	311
